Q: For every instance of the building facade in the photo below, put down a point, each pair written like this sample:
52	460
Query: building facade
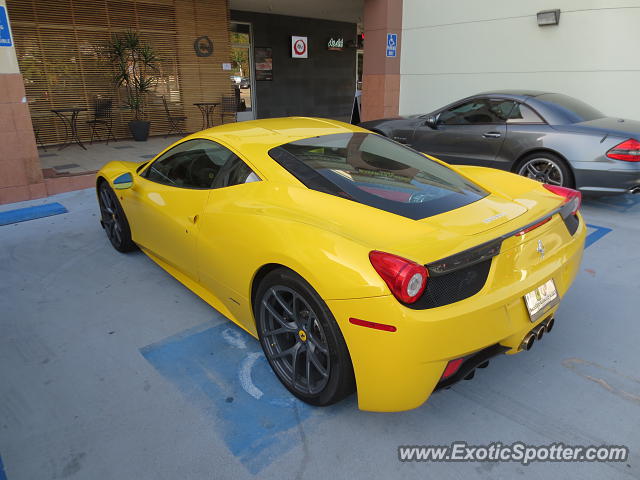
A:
322	85
418	55
20	172
207	51
60	49
459	48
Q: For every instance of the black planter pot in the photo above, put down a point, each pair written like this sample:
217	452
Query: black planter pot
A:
139	129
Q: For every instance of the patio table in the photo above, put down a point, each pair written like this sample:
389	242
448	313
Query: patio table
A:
207	109
69	118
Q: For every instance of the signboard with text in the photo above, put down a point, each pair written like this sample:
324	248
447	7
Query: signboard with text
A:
392	44
5	33
336	43
263	60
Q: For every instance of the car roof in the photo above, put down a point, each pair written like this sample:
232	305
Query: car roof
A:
269	133
522	94
254	138
513	94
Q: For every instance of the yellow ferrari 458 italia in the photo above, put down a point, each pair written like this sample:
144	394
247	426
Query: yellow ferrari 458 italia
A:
358	263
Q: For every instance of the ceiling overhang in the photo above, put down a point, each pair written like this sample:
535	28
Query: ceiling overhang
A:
338	10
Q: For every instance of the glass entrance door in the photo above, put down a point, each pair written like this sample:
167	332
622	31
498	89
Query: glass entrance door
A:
242	69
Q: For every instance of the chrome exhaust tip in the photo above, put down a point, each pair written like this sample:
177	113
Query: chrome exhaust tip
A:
527	343
549	325
539	332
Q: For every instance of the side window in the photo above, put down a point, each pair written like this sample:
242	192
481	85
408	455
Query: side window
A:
502	109
235	172
197	163
192	164
478	111
523	114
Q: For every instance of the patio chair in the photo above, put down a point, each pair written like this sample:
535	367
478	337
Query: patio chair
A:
102	118
229	107
36	120
176	122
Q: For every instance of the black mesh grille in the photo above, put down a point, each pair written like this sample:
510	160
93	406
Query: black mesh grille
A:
452	287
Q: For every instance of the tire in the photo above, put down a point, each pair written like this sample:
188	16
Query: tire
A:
546	167
295	327
113	219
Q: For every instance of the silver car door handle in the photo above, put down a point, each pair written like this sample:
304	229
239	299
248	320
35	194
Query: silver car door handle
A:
492	135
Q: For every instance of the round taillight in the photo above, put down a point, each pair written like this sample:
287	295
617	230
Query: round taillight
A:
405	279
416	283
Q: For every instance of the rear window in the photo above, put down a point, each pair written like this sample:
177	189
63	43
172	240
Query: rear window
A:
372	170
572	109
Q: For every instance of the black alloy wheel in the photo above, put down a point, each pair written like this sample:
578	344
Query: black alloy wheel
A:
113	219
301	340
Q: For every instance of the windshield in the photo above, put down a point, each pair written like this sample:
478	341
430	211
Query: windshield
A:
572	109
373	170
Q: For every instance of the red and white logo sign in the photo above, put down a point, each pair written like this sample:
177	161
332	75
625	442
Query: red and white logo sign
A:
299	47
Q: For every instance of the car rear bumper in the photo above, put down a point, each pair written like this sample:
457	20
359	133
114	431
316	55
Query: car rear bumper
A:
399	370
607	176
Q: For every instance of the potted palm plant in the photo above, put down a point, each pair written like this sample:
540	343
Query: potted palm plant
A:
136	72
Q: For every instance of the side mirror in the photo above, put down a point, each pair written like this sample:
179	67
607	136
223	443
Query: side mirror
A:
432	121
123	181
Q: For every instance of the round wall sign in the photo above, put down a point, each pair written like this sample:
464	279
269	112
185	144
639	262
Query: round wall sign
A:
203	46
300	47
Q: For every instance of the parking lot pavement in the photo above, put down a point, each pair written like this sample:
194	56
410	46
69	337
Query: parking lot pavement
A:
110	369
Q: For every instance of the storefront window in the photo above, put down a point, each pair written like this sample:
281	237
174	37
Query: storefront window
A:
61	56
242	68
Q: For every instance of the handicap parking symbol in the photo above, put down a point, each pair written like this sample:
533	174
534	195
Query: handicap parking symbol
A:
392	44
221	370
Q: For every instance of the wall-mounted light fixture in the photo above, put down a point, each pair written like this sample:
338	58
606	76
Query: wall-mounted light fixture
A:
548	17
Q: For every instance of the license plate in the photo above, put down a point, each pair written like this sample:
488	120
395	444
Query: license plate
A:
541	300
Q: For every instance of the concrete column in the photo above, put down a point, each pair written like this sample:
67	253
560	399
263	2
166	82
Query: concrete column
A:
381	74
20	172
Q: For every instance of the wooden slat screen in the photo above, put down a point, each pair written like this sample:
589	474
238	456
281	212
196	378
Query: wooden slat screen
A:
59	43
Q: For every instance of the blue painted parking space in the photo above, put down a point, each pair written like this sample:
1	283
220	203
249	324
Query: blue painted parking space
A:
31	213
595	233
3	476
619	203
222	370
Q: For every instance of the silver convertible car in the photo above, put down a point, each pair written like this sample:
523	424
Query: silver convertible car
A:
549	137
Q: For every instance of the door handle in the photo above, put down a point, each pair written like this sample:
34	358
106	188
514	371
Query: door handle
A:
492	135
193	218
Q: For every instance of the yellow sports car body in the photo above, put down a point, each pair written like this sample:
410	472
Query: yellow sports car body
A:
358	263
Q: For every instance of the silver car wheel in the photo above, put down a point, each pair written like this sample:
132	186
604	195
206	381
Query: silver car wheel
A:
543	170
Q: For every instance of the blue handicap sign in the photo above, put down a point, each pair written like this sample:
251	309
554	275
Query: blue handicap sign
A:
392	43
5	33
